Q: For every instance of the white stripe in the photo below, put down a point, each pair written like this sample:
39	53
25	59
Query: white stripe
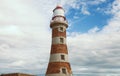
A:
56	40
59	25
57	57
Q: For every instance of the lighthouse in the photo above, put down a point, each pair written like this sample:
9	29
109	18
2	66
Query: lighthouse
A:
58	63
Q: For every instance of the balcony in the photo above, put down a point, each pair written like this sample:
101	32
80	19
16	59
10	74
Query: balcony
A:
58	21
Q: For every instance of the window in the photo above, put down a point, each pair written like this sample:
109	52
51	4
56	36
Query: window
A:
64	70
63	57
61	29
61	40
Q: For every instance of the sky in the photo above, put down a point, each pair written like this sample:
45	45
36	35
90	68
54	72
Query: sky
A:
93	36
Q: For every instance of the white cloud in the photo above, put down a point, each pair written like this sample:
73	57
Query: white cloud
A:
96	2
25	38
23	29
11	30
85	11
98	49
94	30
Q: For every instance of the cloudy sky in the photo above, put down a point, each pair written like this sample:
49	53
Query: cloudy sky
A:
93	36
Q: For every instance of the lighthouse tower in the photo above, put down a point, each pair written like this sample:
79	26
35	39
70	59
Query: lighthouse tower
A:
58	63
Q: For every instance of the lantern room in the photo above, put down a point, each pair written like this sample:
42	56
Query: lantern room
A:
58	11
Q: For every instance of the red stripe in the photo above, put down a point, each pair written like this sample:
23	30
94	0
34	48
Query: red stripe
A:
54	67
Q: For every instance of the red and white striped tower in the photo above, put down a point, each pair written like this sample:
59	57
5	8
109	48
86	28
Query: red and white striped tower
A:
58	63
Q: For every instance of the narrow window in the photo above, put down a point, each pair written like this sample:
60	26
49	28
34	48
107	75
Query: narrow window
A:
64	70
61	40
63	57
